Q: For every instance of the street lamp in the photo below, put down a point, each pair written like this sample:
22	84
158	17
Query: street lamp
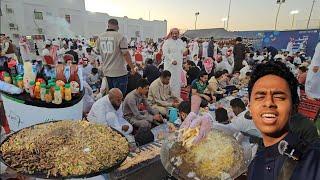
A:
293	13
224	20
195	23
280	2
228	15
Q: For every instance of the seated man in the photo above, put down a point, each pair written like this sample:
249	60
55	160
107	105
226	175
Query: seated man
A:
184	109
222	116
108	110
160	95
198	88
243	120
136	109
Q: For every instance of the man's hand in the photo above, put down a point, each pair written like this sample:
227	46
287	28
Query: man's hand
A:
205	127
206	97
133	71
315	69
158	118
175	104
174	62
125	128
187	122
214	99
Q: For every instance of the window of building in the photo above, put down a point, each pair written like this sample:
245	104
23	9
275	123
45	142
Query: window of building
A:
68	18
38	15
9	10
40	30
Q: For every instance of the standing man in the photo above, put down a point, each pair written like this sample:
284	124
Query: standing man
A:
113	48
210	48
313	76
239	52
173	49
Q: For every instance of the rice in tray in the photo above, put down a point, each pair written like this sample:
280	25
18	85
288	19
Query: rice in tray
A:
64	148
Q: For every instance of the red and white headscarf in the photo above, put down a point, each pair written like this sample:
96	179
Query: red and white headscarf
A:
208	64
171	31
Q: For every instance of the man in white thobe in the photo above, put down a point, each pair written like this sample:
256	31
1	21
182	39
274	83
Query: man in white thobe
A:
173	49
108	111
24	49
290	46
205	45
313	77
195	48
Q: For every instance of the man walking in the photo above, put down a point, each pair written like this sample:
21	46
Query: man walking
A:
113	48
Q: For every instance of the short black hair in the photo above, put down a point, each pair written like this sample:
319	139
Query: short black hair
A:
149	61
237	102
279	69
222	116
185	106
165	74
142	83
94	70
303	68
191	63
89	49
113	22
225	71
239	39
203	73
218	74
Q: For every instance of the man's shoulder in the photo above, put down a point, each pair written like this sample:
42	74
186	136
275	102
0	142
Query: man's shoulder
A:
155	83
129	96
110	33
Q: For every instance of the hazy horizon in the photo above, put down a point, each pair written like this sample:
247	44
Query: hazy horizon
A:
244	14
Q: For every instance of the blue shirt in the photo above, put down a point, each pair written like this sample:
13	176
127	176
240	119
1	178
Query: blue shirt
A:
268	162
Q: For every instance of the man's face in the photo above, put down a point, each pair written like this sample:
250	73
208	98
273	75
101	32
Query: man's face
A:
186	67
183	116
175	34
116	101
165	80
236	75
270	105
85	63
204	78
144	91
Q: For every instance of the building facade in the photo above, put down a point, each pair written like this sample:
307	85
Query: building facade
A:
69	18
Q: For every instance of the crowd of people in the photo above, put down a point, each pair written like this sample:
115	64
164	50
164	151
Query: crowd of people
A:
132	85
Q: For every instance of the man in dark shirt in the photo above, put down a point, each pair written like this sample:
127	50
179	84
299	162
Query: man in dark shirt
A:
211	48
74	54
151	72
239	52
132	80
192	71
271	51
273	100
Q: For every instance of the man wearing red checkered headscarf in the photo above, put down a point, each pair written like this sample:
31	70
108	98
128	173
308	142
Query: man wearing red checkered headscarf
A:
173	49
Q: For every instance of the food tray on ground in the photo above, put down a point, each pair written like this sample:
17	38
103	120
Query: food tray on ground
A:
223	154
64	149
142	157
